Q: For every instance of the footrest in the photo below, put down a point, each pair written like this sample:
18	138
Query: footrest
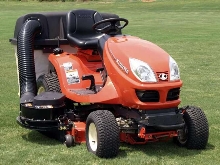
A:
83	91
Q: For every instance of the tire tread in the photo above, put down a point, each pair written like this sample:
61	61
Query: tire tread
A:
108	133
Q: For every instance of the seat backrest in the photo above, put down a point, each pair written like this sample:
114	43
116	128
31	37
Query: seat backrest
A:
79	28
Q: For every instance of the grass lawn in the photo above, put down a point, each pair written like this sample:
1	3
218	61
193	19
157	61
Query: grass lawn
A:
189	30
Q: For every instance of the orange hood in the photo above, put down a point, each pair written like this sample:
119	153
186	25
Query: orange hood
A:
125	47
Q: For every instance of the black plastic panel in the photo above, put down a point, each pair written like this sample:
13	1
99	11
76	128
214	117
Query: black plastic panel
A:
49	98
148	95
53	26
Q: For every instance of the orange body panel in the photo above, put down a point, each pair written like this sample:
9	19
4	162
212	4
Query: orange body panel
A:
78	132
84	67
121	83
123	48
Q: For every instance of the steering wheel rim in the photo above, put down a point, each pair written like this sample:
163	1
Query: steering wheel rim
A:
112	27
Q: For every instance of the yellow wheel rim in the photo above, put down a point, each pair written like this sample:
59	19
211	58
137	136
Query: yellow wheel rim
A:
40	90
93	137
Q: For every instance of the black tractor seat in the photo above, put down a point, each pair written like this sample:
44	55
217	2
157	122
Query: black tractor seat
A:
80	33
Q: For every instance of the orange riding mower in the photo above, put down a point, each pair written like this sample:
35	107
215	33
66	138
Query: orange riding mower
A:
82	80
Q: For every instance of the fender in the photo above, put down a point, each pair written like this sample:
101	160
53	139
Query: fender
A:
79	67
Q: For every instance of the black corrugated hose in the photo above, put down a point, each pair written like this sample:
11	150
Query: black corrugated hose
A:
26	65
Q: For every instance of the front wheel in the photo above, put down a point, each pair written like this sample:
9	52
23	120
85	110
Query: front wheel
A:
196	131
102	134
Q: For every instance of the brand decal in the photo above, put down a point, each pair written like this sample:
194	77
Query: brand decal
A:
85	16
163	76
118	62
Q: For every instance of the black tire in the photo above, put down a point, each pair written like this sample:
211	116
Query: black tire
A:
69	141
196	132
48	83
103	131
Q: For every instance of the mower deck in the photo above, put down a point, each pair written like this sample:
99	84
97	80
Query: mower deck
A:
46	114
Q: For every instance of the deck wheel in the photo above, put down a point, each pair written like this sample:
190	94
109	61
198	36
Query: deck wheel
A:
69	141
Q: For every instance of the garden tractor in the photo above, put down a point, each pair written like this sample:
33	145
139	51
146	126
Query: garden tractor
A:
83	81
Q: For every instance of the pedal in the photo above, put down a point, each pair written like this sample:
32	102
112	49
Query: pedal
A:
92	79
99	69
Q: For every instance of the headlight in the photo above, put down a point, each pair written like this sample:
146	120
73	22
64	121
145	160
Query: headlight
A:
174	70
142	70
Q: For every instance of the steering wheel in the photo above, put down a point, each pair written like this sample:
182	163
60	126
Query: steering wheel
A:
111	28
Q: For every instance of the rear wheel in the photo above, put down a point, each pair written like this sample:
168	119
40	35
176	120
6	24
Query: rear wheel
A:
48	83
102	134
196	131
